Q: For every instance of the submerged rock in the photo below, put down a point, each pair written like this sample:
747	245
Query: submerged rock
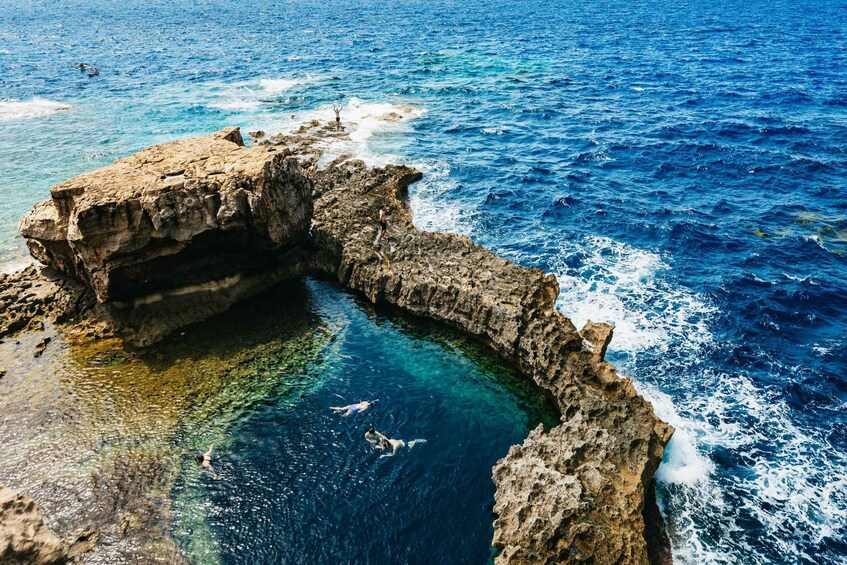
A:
24	539
33	295
178	231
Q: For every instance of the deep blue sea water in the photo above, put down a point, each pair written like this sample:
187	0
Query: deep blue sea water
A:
680	167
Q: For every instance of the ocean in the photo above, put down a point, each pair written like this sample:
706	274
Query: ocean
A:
680	167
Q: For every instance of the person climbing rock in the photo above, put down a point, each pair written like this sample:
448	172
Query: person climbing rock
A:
383	224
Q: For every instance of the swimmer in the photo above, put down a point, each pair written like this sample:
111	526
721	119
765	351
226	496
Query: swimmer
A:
94	72
82	66
353	408
205	460
382	442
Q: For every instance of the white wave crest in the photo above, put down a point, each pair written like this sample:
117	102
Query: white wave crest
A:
615	282
785	476
249	96
365	125
435	201
275	86
26	109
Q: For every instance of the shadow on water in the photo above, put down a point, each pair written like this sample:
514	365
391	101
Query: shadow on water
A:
104	436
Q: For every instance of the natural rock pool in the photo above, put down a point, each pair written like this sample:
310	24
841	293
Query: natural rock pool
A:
105	438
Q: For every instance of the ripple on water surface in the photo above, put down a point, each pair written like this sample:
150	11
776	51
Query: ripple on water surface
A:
104	436
299	484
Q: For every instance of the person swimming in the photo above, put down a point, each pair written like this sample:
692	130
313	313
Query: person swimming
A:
205	460
353	408
382	442
82	67
94	72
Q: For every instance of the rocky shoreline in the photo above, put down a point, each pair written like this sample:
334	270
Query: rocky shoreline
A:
182	231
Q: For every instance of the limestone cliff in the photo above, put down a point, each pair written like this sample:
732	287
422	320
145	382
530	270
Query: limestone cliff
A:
178	231
575	494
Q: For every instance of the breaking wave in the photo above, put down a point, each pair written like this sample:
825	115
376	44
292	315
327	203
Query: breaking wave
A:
11	109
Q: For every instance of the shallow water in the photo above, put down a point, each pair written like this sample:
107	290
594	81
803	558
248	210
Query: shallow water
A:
679	168
299	483
103	436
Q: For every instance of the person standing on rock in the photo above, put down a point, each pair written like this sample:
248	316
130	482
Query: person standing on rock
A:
312	171
383	224
337	117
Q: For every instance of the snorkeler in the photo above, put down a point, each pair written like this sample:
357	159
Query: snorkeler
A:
382	442
353	408
205	460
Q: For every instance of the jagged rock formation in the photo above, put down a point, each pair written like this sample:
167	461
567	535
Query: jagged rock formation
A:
178	231
30	296
24	539
210	217
576	494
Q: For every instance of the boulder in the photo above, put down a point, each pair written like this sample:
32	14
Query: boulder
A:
24	539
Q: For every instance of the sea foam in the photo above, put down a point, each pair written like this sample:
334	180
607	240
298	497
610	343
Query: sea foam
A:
11	109
790	481
363	122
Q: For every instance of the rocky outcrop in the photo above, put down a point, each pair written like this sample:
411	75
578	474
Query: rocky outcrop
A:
33	295
210	218
24	539
577	493
178	231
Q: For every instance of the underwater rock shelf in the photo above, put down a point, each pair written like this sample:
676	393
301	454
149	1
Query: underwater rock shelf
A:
182	230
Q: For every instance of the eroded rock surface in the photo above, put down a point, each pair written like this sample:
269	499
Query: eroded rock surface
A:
178	231
24	539
218	225
575	494
33	295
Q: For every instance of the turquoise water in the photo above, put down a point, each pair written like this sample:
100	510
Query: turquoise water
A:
297	483
680	168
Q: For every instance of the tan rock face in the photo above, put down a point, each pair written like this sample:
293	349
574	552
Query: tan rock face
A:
176	233
176	214
575	494
24	539
208	218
